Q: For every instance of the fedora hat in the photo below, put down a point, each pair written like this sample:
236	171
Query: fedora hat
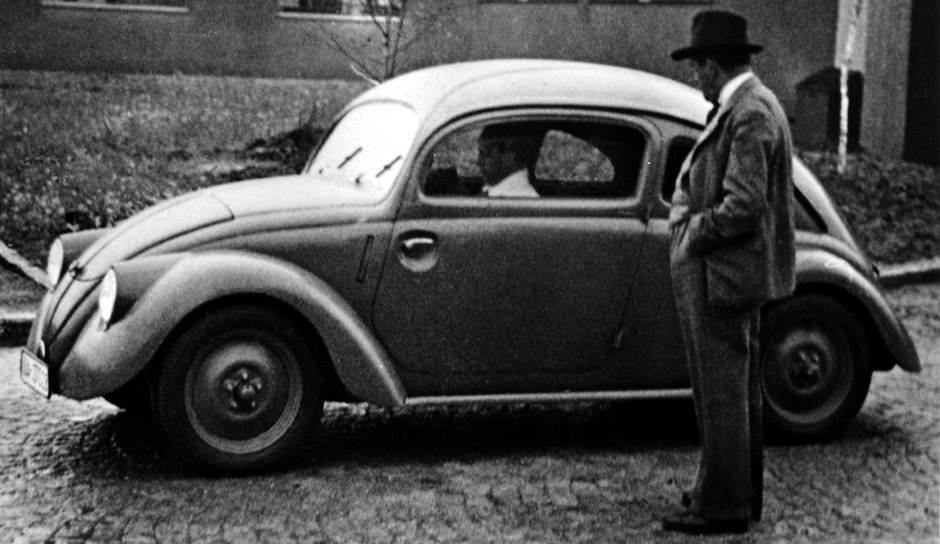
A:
717	32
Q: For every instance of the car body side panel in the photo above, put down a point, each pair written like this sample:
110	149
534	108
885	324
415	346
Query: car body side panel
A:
651	352
347	257
815	266
103	359
497	297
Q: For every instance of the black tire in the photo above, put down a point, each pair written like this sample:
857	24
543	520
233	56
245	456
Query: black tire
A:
239	389
815	367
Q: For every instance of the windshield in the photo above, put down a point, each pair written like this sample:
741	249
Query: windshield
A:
367	147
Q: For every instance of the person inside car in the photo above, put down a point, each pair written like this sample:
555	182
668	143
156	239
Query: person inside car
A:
505	153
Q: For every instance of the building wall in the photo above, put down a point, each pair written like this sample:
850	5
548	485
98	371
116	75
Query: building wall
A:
885	65
224	37
643	35
250	38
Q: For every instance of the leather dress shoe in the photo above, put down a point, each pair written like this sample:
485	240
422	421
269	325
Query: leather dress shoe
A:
686	502
691	524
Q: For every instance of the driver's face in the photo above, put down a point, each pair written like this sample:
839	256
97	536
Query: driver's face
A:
495	160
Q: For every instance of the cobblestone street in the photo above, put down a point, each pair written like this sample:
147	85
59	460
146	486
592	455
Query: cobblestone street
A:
86	472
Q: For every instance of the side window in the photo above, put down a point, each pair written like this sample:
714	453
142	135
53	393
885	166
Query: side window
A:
568	159
538	159
679	149
454	170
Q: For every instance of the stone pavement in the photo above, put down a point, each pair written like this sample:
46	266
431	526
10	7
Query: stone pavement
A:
86	473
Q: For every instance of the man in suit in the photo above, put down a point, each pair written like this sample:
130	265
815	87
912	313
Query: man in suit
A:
732	251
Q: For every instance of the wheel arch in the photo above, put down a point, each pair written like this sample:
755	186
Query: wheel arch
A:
881	358
822	272
334	388
168	289
359	367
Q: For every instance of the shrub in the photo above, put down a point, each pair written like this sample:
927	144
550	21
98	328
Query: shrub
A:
893	207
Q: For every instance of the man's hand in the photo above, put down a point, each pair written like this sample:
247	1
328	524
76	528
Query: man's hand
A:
679	213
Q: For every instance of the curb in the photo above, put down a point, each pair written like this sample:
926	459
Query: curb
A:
925	271
14	327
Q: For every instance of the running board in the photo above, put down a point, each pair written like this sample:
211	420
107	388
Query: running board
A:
566	396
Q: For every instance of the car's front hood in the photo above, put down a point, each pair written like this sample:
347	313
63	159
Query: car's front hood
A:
190	212
295	193
150	227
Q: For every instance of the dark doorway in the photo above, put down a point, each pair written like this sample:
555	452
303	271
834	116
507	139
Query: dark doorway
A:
922	135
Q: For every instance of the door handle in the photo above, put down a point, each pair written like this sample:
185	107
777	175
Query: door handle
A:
412	244
418	251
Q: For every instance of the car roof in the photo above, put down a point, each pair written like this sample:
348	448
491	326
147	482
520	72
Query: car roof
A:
449	91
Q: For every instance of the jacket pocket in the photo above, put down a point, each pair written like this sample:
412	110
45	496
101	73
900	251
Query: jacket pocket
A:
736	276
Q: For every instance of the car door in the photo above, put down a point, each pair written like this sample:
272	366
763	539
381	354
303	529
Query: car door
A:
479	294
652	352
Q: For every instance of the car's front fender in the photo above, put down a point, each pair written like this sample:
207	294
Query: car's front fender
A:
172	286
817	267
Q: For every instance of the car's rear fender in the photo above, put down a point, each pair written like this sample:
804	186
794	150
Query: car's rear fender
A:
165	289
819	270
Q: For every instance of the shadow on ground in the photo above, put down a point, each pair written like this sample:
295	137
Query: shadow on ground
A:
121	444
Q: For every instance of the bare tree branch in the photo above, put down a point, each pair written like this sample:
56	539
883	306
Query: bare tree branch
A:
397	26
359	66
373	14
402	17
356	70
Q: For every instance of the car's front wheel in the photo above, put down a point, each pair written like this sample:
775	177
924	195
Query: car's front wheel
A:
816	367
239	389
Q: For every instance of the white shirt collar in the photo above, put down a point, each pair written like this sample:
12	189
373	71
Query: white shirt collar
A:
723	96
732	86
514	185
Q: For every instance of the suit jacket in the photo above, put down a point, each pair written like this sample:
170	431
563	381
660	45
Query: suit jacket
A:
733	204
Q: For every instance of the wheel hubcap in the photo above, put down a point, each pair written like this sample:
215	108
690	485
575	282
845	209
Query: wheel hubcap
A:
243	393
805	371
244	387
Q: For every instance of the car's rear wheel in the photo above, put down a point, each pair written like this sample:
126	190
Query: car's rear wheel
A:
239	389
816	368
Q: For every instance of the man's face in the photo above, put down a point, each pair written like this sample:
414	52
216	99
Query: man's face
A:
707	77
495	160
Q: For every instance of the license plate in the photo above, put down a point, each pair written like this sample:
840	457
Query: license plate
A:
34	373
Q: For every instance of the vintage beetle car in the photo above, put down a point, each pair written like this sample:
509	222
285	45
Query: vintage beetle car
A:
379	275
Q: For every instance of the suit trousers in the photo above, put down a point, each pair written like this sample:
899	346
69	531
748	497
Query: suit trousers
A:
723	356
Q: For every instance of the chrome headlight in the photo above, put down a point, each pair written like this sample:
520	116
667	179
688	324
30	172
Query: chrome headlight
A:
107	296
55	262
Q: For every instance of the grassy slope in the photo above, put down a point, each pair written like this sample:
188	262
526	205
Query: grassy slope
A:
84	150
